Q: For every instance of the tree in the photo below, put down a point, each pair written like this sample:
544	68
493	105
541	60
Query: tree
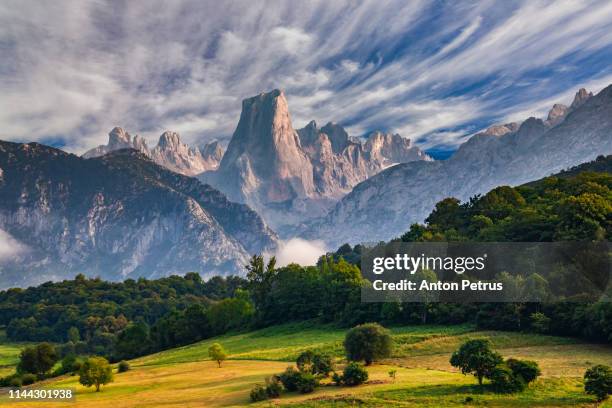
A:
260	281
133	341
527	370
95	371
217	353
476	357
598	381
368	342
37	359
73	334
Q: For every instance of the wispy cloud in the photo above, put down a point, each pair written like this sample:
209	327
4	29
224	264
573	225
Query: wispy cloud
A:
10	248
71	70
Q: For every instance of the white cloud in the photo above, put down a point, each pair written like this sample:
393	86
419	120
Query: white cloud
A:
10	248
74	70
300	251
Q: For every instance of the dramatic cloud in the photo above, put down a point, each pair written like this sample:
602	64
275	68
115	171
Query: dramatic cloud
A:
9	247
299	251
72	70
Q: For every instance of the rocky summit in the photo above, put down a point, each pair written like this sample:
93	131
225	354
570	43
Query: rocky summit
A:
290	175
170	151
117	216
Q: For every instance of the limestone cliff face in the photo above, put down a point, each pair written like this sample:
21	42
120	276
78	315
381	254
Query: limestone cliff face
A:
289	176
383	206
264	162
117	216
170	151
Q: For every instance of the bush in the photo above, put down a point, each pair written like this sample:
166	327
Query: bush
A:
258	393
368	342
476	357
123	366
290	378
354	374
15	382
526	369
274	387
504	380
70	364
322	364
306	383
337	379
315	363
304	361
598	381
28	379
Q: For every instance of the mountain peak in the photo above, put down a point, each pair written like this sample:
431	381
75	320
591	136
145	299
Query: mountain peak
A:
581	97
118	138
169	140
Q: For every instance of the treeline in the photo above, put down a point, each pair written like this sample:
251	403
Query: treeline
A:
136	317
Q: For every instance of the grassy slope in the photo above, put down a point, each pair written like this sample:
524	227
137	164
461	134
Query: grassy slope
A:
184	377
9	354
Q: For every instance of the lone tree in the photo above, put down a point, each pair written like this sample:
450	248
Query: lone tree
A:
476	357
95	371
217	353
368	342
37	359
598	381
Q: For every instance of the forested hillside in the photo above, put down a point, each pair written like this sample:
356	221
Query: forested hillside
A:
123	320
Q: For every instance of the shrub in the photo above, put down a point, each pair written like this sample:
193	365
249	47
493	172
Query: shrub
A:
322	364
15	382
306	383
598	381
337	379
504	380
290	378
315	363
274	387
28	379
476	357
123	366
368	342
69	365
304	361
526	369
354	374
258	393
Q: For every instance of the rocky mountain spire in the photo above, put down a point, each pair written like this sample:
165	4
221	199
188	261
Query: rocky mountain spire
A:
264	161
581	97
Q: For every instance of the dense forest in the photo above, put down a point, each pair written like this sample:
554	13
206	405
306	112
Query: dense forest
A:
136	317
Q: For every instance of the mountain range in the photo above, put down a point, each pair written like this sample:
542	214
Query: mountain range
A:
290	176
170	151
385	205
125	210
117	216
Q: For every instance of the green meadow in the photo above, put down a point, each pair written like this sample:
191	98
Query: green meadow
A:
185	377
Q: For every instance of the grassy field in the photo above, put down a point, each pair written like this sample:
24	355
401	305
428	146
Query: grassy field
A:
9	354
184	377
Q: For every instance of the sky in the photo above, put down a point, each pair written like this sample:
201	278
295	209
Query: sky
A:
433	71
